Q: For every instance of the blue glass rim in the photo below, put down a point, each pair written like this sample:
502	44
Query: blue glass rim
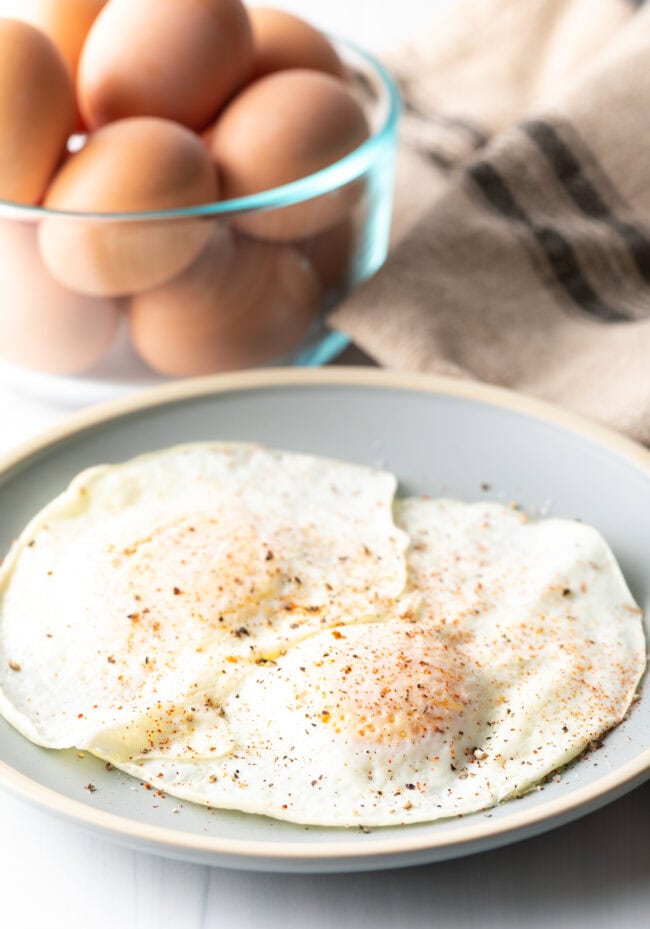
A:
324	181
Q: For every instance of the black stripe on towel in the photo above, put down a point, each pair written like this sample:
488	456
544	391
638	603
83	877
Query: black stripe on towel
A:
476	135
558	252
584	194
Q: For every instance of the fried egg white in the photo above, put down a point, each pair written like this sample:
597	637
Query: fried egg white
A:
137	600
516	645
271	633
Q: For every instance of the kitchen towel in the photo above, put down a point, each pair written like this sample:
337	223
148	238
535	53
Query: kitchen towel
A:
521	244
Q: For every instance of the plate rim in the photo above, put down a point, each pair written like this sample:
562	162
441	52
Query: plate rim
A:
577	800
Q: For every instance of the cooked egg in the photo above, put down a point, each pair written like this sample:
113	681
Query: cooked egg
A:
241	303
514	647
282	40
152	587
281	128
43	325
133	165
37	111
179	60
273	633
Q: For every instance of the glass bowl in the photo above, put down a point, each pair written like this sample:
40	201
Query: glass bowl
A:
97	305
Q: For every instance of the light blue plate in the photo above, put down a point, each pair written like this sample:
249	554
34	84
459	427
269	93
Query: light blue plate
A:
439	437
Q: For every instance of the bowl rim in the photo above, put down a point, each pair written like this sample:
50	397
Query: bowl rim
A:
323	181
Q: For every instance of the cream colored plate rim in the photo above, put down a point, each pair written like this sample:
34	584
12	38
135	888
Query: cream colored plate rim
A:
177	841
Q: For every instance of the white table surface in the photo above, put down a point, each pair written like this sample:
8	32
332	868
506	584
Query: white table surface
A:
593	873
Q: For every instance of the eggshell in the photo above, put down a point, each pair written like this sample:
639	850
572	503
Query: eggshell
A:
281	40
242	303
43	325
37	111
331	255
133	165
66	22
181	59
281	128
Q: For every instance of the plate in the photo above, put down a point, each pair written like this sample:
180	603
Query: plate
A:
442	437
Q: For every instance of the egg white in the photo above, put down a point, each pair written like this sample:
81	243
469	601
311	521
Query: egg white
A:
140	597
515	646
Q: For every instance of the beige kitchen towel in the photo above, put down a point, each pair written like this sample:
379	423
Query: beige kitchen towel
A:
521	252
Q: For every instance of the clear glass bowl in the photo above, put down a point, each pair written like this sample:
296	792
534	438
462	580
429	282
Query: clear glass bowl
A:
78	290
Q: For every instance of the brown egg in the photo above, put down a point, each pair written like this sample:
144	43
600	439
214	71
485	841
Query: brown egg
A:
37	111
331	254
281	40
42	325
279	129
181	59
66	22
132	165
242	303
